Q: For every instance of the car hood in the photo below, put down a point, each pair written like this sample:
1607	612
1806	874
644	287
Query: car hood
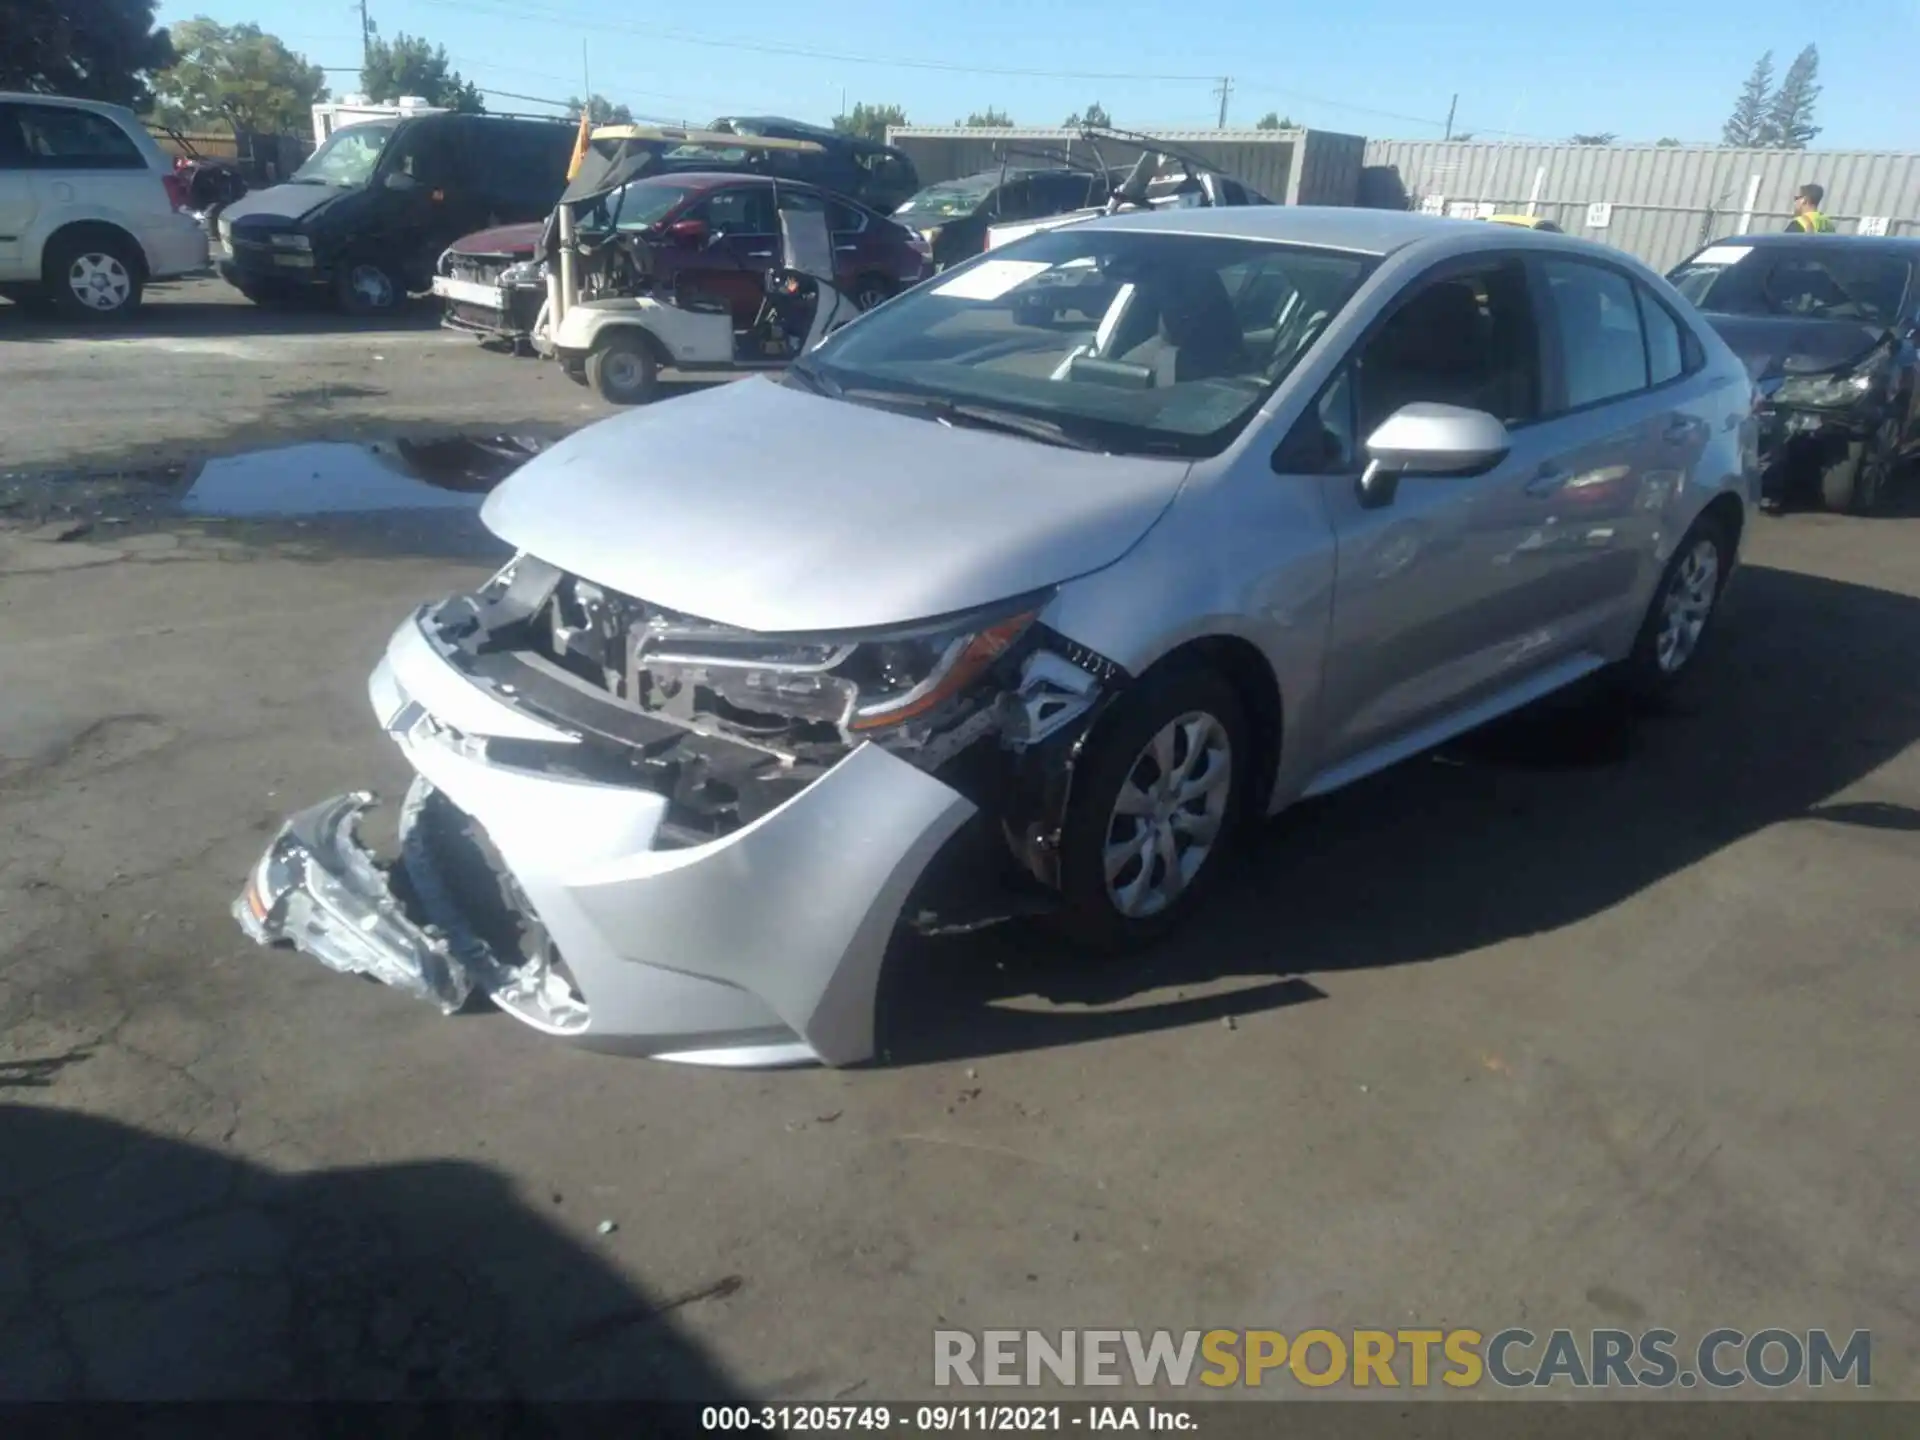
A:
1771	345
767	508
281	202
501	240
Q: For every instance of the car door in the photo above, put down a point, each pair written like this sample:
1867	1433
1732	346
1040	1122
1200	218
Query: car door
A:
17	204
1424	618
858	247
423	201
742	245
1624	443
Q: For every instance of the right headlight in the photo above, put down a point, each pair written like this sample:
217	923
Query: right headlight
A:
1826	391
527	272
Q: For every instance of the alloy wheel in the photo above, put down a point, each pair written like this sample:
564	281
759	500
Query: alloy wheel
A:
100	281
371	286
1167	817
1687	605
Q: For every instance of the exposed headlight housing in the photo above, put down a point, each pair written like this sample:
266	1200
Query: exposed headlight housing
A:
1827	391
864	686
527	272
290	240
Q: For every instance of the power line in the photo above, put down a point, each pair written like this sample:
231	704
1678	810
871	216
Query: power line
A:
679	37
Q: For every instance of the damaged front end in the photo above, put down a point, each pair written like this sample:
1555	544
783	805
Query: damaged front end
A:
662	835
1811	412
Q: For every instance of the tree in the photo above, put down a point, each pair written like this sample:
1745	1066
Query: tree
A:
93	49
601	110
1666	142
869	122
237	74
1599	137
1789	123
409	65
988	118
1746	127
1273	120
1094	117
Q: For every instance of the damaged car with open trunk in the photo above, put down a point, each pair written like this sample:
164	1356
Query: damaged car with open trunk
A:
969	617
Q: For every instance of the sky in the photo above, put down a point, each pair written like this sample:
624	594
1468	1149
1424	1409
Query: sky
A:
1521	69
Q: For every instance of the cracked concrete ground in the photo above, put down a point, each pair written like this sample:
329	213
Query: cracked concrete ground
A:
1578	1025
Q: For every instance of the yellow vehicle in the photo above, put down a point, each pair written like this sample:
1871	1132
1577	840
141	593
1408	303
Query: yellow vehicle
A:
1527	222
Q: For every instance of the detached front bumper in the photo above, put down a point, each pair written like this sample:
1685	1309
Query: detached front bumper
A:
1798	441
761	947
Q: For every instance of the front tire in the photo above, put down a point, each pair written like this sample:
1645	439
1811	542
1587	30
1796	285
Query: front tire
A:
1156	803
369	289
94	277
1853	483
623	370
1666	652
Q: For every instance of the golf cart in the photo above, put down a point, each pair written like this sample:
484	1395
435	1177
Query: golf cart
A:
615	315
1164	176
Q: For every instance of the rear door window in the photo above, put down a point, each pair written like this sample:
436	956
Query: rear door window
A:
13	148
1603	354
1666	354
59	138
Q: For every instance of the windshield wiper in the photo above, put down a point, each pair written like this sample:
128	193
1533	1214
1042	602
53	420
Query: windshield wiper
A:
969	416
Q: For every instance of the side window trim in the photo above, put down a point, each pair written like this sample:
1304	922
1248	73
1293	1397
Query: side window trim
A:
1692	356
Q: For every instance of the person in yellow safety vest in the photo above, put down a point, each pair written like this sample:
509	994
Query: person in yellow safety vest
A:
1807	219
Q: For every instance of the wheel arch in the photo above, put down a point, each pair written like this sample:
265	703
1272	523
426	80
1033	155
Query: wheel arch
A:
1241	664
99	230
1726	509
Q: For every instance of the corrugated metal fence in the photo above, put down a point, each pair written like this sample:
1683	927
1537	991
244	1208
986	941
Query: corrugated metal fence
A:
1657	202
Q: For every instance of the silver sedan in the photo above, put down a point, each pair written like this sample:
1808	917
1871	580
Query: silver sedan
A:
1021	596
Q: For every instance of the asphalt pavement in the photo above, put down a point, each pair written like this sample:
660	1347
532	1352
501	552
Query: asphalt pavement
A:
1583	1023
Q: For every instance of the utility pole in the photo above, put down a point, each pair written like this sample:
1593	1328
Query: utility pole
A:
366	37
1223	90
1452	105
586	73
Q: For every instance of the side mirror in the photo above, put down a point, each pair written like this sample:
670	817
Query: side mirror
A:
1430	439
400	180
689	232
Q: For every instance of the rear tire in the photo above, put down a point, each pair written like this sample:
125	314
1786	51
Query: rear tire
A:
623	370
870	291
94	276
1678	622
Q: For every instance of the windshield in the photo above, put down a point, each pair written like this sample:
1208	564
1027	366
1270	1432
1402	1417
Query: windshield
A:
948	202
348	157
1127	341
1777	280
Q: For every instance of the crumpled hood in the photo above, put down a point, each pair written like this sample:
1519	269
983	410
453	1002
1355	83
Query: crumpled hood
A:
520	240
281	202
1771	346
759	506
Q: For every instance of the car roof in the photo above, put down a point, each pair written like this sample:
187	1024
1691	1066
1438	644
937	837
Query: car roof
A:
68	102
1363	231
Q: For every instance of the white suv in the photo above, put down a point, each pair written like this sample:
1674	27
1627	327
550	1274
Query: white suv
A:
90	208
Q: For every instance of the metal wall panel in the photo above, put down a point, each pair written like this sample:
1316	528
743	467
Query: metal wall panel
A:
1665	201
1262	159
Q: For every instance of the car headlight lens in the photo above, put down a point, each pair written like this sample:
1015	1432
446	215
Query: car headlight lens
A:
1826	391
290	240
527	272
866	685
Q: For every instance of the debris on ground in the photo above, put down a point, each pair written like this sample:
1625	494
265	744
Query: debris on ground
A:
606	1227
1227	1022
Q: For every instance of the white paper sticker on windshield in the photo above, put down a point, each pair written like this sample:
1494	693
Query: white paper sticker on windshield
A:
991	279
1722	255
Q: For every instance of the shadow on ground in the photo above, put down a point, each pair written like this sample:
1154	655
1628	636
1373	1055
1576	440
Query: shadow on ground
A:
225	318
136	1267
1535	823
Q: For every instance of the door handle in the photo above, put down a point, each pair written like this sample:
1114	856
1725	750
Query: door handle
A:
759	254
1546	480
846	249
